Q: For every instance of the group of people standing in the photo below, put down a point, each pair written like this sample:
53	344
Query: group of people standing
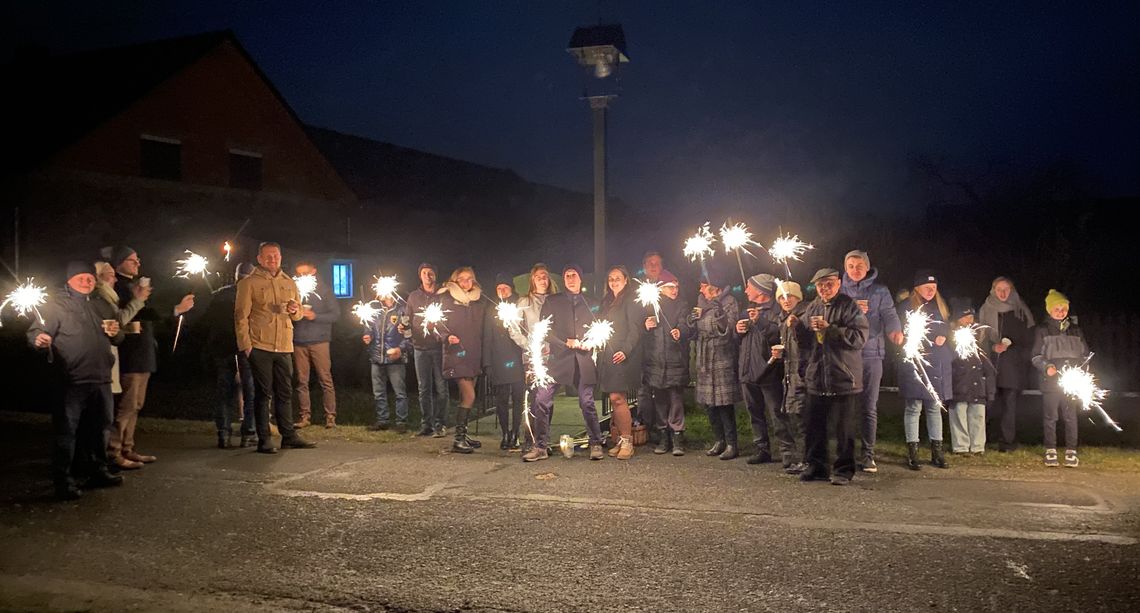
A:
797	365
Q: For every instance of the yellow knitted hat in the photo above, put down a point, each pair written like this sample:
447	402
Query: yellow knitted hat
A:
1054	298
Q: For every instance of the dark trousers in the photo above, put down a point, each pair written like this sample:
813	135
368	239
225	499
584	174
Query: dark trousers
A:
670	406
509	397
1055	403
234	375
647	410
81	423
723	421
842	410
869	404
273	379
1004	412
762	401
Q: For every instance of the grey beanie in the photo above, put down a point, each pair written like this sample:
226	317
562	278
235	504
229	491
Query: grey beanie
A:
763	283
855	253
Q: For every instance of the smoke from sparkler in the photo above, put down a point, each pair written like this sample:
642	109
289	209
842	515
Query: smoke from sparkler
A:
366	312
649	294
788	247
26	298
736	236
1080	384
385	287
510	315
540	377
433	316
306	285
699	245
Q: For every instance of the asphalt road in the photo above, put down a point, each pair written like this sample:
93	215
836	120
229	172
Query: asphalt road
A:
407	527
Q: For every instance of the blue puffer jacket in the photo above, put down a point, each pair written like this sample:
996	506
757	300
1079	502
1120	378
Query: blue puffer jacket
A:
881	314
939	365
386	334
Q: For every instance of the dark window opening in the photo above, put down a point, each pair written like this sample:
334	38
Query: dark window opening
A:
245	171
161	159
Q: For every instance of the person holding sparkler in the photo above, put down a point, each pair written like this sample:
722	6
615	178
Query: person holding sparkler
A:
530	306
761	376
503	363
389	340
924	386
78	341
428	359
874	300
138	356
1058	342
311	340
462	300
975	383
795	340
1008	323
265	308
665	368
833	377
233	374
619	362
571	364
653	267
718	386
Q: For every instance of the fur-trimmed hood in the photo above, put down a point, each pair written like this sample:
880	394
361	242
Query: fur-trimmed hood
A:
459	295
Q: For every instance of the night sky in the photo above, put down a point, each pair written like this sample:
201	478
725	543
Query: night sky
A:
725	104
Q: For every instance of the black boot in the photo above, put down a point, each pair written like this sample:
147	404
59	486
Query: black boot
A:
732	447
223	440
460	444
912	456
763	456
679	443
936	456
505	444
664	442
718	432
514	439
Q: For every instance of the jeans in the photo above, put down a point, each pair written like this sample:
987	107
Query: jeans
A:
762	401
273	378
397	375
228	370
933	419
1055	403
544	406
819	410
429	376
967	427
869	403
81	427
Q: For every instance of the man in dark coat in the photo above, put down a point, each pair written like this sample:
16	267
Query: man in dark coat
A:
761	377
137	356
834	377
570	363
312	338
78	343
428	360
503	363
653	269
665	370
233	374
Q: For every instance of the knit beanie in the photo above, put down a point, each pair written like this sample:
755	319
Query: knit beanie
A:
119	254
77	267
667	278
855	253
1054	299
763	283
503	278
789	288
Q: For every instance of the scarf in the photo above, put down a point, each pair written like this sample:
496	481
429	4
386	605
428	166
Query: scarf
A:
990	313
107	292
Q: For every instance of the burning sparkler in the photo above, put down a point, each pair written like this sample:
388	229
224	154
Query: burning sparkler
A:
536	341
228	249
510	315
788	247
434	317
598	333
306	285
1080	384
737	238
193	264
917	327
649	294
966	342
385	287
366	312
699	245
25	299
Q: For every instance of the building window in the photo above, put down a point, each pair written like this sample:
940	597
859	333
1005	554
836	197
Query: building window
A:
160	158
245	169
342	279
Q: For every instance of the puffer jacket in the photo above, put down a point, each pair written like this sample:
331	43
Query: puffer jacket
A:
718	383
939	365
260	319
882	318
79	347
1058	344
666	361
835	355
756	348
464	312
975	378
386	334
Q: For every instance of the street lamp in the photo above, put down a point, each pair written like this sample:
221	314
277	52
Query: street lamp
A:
600	50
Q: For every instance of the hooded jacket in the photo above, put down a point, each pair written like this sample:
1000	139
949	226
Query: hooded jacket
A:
326	312
79	347
882	319
386	334
666	361
756	348
260	319
1058	344
834	356
570	314
464	312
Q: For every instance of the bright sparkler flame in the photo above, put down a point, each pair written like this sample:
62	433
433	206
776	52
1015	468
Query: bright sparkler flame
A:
788	247
649	294
227	248
366	312
966	342
917	327
598	333
1080	384
736	236
540	377
192	264
26	298
510	315
385	287
699	245
306	285
433	315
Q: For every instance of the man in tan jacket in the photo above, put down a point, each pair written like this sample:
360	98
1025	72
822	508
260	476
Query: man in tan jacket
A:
267	305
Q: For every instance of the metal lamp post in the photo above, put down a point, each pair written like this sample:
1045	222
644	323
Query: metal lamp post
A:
600	50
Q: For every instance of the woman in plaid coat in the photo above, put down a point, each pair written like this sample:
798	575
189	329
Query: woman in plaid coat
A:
718	387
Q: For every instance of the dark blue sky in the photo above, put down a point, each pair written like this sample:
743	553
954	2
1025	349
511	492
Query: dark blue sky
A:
725	103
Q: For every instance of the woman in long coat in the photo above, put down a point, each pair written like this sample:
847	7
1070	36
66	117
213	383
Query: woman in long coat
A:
939	356
718	384
619	362
462	331
1008	324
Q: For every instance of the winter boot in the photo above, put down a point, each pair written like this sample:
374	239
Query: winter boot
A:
912	456
460	443
664	443
513	438
505	444
679	443
718	432
625	448
732	447
762	456
223	439
936	456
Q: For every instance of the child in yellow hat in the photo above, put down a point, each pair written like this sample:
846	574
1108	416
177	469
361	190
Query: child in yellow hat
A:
1058	343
